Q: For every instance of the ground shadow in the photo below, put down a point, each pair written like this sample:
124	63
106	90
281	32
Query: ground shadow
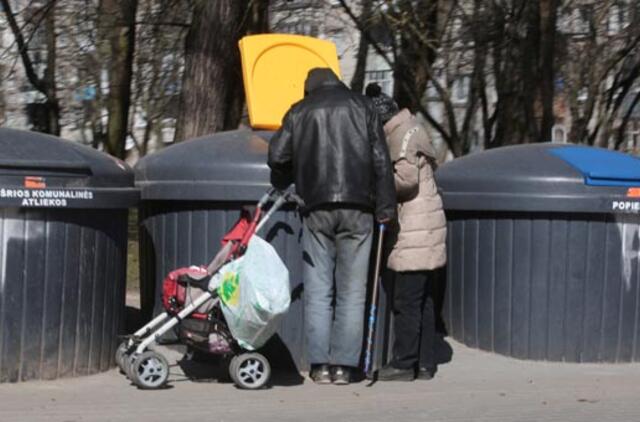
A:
439	291
133	319
285	372
444	351
203	367
279	226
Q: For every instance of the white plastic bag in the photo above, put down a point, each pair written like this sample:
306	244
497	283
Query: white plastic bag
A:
254	293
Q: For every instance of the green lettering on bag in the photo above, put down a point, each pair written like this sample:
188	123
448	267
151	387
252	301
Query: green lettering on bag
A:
229	290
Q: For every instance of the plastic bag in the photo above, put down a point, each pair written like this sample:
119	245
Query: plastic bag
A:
254	293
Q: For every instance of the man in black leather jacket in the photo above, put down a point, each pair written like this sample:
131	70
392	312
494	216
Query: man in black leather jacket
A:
332	146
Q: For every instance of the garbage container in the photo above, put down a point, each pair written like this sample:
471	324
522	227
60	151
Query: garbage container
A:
63	223
543	249
192	193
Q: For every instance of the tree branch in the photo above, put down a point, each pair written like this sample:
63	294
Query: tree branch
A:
37	83
163	23
625	120
380	51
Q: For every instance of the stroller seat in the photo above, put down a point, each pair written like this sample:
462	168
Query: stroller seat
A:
195	279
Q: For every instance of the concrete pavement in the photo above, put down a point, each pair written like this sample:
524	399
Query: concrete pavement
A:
474	386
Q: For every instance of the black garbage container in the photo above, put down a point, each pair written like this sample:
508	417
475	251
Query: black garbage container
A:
192	193
63	223
544	252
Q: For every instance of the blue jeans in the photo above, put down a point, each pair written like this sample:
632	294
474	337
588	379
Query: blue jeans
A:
337	248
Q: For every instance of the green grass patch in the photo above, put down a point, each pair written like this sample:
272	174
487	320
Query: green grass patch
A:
133	256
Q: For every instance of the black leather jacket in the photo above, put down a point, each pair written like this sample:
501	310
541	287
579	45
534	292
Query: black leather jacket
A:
332	146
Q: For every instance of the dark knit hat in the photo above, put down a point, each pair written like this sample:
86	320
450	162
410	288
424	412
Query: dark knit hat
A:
317	77
384	104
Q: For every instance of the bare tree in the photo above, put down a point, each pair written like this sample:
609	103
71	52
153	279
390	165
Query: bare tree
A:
413	71
548	16
119	18
357	81
419	25
503	52
84	57
600	45
157	68
212	90
523	63
45	84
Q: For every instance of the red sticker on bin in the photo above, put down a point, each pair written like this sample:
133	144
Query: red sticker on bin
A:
34	182
633	192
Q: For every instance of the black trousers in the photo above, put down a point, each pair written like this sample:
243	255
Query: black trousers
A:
414	321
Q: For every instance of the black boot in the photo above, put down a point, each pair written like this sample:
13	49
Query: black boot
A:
389	373
425	373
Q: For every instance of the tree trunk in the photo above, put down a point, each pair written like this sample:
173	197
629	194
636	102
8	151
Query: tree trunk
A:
357	81
212	91
413	66
524	51
259	21
506	63
529	51
52	105
548	17
119	25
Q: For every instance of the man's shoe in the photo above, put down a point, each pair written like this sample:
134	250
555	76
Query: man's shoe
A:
389	373
425	373
320	374
340	375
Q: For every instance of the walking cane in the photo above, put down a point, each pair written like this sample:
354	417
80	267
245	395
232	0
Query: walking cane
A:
368	360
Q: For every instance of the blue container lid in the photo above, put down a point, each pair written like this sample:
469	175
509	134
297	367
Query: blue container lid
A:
542	178
601	167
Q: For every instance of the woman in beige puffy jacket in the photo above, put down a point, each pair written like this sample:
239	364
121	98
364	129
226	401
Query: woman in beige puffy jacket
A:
416	242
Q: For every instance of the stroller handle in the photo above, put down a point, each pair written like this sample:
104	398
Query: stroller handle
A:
258	221
266	197
292	197
274	194
279	199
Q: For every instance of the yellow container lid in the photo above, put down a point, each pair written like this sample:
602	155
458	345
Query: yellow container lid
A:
274	68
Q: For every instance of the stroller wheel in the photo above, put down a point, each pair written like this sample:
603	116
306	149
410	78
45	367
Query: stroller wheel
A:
250	370
127	364
150	370
121	352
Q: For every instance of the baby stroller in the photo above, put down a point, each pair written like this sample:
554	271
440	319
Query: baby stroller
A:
192	301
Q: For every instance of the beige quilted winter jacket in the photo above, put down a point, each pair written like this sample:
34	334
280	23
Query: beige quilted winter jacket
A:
418	240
